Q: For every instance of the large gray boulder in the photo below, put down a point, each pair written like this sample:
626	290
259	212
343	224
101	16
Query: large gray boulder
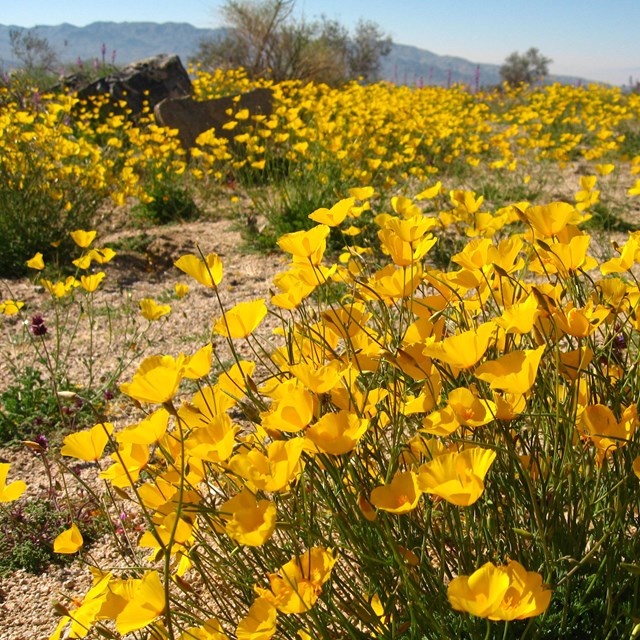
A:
193	117
150	80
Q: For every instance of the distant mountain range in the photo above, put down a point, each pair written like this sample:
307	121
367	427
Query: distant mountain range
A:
126	42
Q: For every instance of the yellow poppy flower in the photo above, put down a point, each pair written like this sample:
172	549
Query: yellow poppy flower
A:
470	410
207	272
92	282
318	379
500	593
271	472
399	496
156	380
362	193
10	307
241	320
259	623
213	442
430	192
337	433
334	216
69	541
145	601
210	630
599	423
463	350
149	431
580	322
548	220
293	412
102	256
36	262
481	593
247	520
129	462
513	373
151	310
197	365
13	490
181	290
457	477
82	238
306	246
87	445
297	585
520	317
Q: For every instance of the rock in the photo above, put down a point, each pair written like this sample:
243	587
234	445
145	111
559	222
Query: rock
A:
151	80
193	117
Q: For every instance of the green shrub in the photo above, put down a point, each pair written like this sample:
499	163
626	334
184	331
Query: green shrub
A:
29	528
169	202
28	407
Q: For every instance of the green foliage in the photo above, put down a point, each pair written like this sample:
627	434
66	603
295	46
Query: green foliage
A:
605	218
28	408
29	528
32	217
577	608
286	209
170	202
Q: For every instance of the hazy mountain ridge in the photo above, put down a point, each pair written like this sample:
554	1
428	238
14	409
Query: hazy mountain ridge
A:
130	41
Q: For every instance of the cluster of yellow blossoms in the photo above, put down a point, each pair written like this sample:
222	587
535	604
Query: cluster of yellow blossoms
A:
416	382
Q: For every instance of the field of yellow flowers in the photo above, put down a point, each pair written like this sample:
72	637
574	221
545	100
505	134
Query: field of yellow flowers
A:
426	427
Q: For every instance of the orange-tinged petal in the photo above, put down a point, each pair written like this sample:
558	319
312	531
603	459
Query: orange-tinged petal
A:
481	593
526	597
400	495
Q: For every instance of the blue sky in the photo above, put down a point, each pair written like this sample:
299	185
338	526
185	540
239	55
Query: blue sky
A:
596	40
